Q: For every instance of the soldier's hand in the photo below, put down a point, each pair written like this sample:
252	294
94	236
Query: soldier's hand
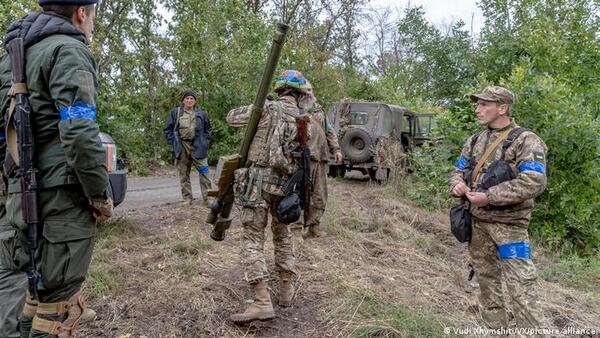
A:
338	157
102	209
460	189
478	199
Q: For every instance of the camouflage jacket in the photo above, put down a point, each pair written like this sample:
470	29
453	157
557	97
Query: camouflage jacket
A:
264	150
324	142
512	200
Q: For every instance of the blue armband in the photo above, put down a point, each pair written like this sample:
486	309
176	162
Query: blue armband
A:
538	167
514	250
79	111
461	163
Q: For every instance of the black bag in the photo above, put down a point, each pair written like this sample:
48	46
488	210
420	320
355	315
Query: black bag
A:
288	209
460	222
497	172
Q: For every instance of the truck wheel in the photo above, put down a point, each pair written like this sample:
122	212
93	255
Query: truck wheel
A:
357	145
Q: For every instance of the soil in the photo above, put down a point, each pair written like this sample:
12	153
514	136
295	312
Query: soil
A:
162	276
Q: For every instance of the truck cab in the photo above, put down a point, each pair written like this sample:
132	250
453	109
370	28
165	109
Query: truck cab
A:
374	137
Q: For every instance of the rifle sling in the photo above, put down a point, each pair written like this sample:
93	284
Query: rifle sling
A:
18	88
488	152
11	133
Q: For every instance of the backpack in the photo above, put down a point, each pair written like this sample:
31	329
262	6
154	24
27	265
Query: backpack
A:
282	140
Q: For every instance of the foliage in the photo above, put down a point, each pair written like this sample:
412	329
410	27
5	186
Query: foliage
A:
568	209
521	47
572	270
11	10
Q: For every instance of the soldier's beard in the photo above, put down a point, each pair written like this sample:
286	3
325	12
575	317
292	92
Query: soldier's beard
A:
306	101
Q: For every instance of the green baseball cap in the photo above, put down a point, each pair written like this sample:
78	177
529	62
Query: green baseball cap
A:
494	94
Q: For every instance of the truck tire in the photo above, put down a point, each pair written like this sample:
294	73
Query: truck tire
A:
357	145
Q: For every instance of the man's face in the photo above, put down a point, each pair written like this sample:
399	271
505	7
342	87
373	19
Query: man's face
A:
488	112
189	102
87	26
309	91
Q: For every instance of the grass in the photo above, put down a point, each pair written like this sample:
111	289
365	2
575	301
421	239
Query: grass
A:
104	275
393	320
102	278
369	314
191	247
571	270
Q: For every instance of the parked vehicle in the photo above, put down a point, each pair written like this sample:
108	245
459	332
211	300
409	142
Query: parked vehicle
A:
117	185
374	137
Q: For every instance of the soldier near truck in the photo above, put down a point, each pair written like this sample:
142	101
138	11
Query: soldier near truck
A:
261	188
69	157
323	145
500	172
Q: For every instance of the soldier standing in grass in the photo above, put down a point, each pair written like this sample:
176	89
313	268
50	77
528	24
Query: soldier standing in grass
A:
70	161
501	195
188	132
323	144
259	189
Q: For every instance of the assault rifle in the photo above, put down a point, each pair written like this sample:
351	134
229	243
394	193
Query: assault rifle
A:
21	119
220	212
304	156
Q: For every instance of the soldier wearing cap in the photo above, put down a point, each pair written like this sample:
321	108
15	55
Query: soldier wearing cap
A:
188	131
70	162
501	199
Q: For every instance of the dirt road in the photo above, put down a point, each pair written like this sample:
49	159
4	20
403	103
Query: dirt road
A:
148	192
154	191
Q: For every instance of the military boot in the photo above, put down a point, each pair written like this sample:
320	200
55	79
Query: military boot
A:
286	288
313	232
88	315
260	309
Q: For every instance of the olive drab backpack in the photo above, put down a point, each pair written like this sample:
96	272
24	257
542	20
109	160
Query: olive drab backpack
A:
281	141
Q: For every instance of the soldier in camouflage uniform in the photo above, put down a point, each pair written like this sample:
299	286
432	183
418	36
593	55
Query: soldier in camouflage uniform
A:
500	243
188	131
322	144
69	158
258	190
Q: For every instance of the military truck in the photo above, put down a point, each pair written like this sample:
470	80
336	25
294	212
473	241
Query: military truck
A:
374	137
117	178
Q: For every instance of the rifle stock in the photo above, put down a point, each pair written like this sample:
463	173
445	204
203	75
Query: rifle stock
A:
305	183
21	119
220	212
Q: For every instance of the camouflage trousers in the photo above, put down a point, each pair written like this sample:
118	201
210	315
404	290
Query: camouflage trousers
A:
68	232
254	222
184	165
318	197
501	253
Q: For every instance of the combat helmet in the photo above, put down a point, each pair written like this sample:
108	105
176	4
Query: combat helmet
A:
291	79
